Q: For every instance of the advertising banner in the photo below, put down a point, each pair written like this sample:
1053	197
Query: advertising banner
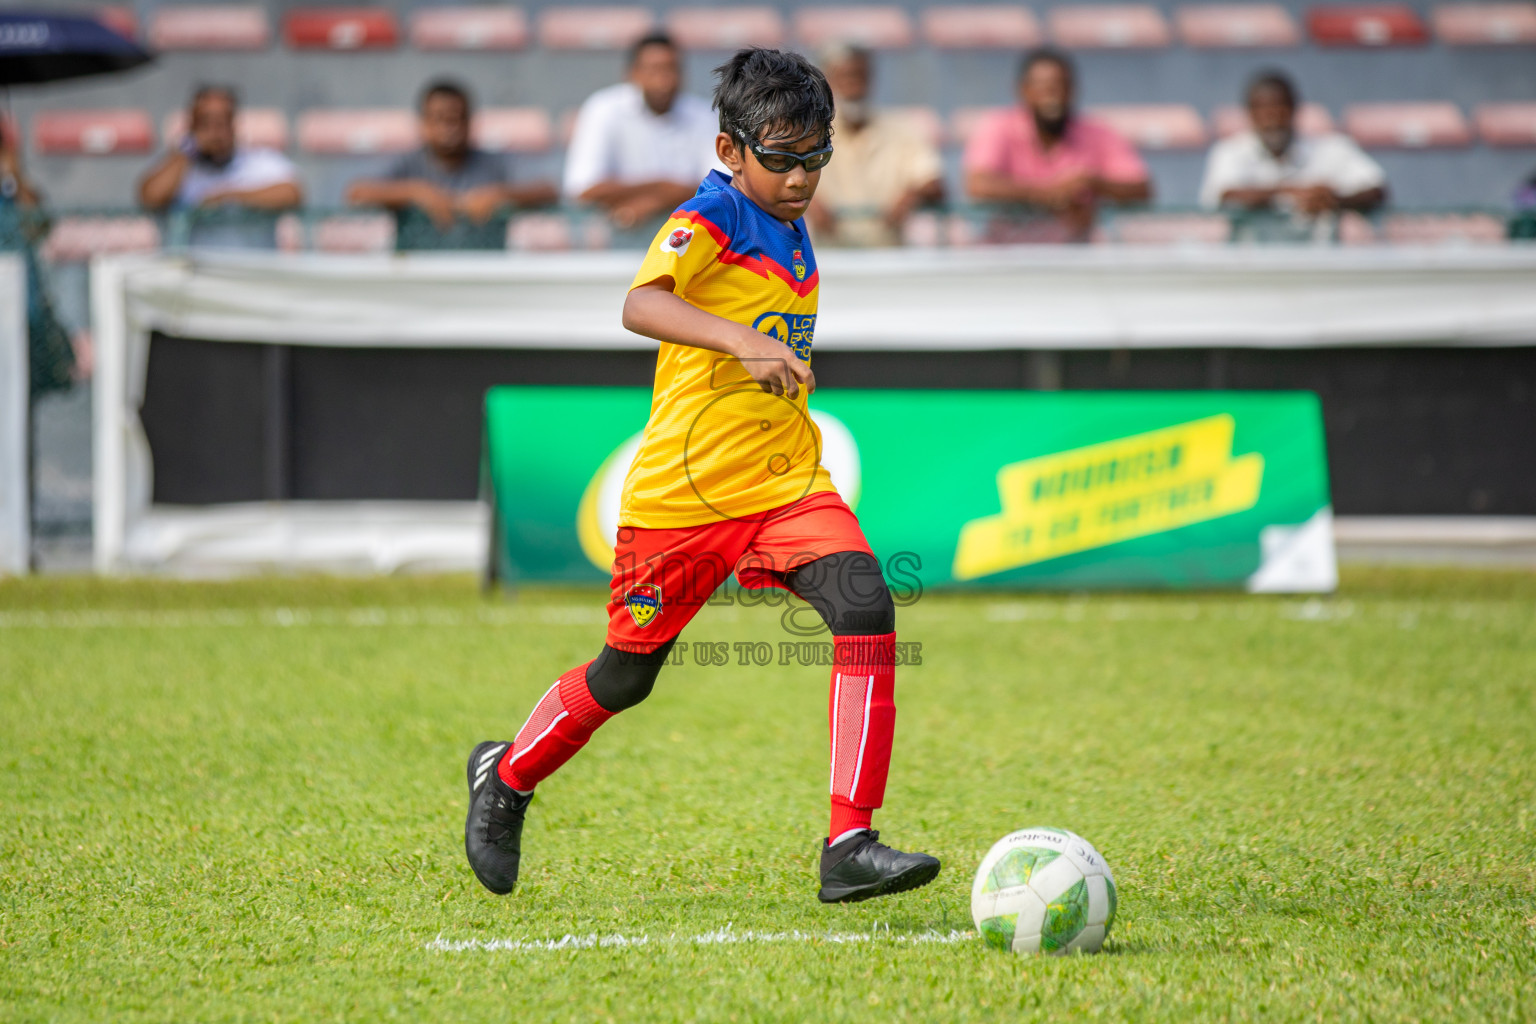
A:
1009	489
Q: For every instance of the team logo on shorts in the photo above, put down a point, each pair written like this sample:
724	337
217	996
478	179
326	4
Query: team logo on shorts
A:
799	260
644	603
677	242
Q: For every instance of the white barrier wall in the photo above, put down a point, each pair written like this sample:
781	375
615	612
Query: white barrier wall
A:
15	504
956	300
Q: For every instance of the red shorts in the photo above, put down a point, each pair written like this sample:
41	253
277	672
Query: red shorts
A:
661	578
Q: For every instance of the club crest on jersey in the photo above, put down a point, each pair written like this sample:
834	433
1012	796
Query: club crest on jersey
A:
677	242
799	262
644	603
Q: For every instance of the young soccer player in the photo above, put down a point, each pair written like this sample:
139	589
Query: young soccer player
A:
728	478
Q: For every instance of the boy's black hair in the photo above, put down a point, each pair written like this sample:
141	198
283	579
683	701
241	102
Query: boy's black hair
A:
445	87
207	89
1273	78
1049	55
650	39
760	90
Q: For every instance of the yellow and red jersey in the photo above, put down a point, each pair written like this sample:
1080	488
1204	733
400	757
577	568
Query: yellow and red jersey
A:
716	446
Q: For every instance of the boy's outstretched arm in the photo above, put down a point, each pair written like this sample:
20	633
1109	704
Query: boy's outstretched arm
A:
655	311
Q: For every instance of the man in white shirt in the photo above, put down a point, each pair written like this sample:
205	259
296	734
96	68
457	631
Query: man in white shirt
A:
208	171
1271	167
641	147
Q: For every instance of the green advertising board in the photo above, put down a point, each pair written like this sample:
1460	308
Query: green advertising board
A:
1013	489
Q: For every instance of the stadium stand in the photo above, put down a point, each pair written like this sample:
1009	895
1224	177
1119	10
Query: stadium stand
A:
254	126
880	28
513	130
1374	25
987	27
1407	125
76	239
210	27
1442	229
1222	26
469	28
1091	27
925	119
355	233
92	132
1507	124
341	28
593	28
1311	119
352	132
1166	229
1156	125
706	28
1486	24
120	18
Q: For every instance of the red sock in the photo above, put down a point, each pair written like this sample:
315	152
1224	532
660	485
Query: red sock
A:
561	723
862	710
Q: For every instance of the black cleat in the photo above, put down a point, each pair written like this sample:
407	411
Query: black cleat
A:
862	867
493	832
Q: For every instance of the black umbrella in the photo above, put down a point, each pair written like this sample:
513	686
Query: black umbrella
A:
47	47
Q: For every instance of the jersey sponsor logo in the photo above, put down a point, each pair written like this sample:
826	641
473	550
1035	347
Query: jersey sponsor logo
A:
799	265
677	242
794	329
644	603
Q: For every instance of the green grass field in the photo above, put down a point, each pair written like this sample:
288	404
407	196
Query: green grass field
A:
245	802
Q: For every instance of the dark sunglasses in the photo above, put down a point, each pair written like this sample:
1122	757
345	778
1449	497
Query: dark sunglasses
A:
782	161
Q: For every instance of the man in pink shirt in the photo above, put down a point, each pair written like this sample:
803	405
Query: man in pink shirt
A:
1044	155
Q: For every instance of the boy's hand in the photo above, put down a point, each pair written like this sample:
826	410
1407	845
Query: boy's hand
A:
773	365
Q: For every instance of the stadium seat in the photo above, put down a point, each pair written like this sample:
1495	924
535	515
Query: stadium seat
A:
1486	24
341	28
513	130
1368	25
1407	125
1155	125
984	27
1507	124
373	232
878	27
1167	229
92	132
593	28
1108	26
925	120
469	28
1311	119
77	239
357	132
210	27
539	232
1443	229
1217	26
709	28
254	126
963	122
120	18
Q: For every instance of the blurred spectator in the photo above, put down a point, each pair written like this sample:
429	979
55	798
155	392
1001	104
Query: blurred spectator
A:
641	147
53	360
1272	168
1043	154
884	167
232	193
449	194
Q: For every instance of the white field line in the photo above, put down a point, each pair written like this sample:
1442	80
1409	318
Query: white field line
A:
550	615
719	937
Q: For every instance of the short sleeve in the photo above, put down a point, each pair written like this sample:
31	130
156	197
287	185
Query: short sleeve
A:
988	149
1220	174
1117	158
1351	169
688	243
589	159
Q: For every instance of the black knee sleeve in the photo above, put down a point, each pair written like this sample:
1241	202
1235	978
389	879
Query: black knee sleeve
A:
848	590
620	679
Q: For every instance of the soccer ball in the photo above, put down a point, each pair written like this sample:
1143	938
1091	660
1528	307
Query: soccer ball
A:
1043	890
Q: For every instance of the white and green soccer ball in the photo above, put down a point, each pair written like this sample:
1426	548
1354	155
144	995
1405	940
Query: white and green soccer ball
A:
1043	890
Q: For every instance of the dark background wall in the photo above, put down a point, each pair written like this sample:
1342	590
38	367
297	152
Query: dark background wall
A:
1421	431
